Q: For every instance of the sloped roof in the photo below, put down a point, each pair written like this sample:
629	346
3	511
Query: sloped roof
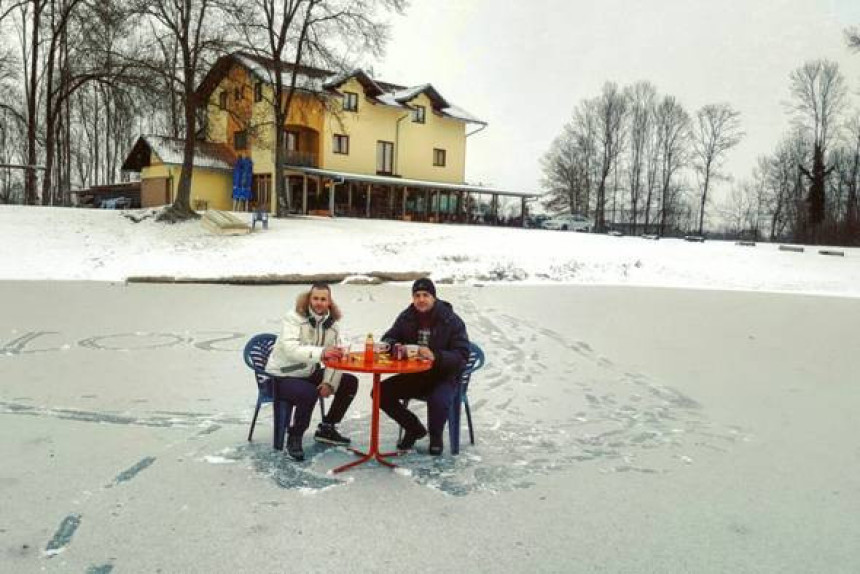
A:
371	88
321	81
308	78
170	151
404	96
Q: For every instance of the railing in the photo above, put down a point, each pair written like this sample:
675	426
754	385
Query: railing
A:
301	158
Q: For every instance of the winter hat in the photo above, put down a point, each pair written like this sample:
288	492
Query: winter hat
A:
424	284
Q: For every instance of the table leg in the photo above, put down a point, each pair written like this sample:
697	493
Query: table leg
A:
373	453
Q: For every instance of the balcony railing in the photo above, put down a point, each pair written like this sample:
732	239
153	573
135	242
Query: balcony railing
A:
302	158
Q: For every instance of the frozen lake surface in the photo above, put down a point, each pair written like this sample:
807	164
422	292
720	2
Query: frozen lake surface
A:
618	430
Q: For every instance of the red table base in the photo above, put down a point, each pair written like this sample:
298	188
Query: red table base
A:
355	363
373	453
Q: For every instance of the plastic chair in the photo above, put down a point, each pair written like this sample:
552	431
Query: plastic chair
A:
256	354
475	362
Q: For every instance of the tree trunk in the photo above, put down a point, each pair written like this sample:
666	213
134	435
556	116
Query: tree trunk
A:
30	195
704	199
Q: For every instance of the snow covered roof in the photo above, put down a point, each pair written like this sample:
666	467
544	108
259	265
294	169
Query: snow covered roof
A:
371	88
170	151
389	100
322	81
305	80
459	113
404	96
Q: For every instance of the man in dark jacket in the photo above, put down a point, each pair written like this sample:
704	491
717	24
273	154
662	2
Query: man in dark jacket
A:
441	335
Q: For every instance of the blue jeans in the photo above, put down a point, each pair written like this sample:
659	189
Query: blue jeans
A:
424	386
302	393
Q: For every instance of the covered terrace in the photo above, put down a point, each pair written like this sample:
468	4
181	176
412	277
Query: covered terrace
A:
326	192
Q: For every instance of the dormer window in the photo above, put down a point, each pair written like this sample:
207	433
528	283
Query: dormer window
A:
258	92
222	100
239	94
418	114
350	102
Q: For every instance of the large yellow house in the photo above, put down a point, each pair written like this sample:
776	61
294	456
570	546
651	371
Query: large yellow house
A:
355	146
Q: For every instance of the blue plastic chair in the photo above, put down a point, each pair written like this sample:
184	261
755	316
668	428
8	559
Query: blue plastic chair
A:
475	362
256	354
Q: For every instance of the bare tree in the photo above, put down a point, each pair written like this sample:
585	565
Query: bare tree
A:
193	27
716	131
642	97
611	111
291	33
562	172
819	91
672	124
852	37
569	164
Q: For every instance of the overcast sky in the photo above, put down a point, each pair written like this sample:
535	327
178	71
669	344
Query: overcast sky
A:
522	66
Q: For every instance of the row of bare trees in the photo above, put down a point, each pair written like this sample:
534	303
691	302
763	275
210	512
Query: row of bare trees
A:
625	152
806	190
79	80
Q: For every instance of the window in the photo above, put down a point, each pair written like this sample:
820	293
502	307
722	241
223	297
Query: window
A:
291	141
239	93
418	114
341	144
240	140
258	92
384	158
438	157
222	100
350	102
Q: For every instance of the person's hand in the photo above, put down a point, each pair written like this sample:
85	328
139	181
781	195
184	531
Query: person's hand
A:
331	353
426	353
325	390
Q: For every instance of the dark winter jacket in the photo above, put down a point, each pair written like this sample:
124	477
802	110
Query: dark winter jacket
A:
448	339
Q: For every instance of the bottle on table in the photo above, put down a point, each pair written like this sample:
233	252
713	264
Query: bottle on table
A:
368	348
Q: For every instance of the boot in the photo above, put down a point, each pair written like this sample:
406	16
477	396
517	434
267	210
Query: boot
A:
327	433
294	447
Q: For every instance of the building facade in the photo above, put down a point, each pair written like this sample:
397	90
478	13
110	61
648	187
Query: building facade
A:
354	146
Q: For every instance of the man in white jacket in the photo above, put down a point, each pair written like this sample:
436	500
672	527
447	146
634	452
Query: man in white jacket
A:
310	334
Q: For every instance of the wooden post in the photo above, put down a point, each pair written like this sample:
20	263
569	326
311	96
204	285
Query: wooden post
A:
403	210
331	199
459	205
304	194
391	200
349	198
523	210
437	205
494	204
289	195
369	189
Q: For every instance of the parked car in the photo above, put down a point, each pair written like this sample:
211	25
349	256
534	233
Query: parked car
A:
572	222
536	221
116	203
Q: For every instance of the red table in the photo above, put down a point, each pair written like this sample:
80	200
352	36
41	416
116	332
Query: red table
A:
380	365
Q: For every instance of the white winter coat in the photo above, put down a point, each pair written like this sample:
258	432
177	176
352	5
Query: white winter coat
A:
298	350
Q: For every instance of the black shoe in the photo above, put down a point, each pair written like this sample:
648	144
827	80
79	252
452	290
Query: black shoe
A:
435	445
328	434
294	447
409	438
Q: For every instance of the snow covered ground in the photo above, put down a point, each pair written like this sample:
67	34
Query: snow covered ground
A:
620	428
103	245
617	430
